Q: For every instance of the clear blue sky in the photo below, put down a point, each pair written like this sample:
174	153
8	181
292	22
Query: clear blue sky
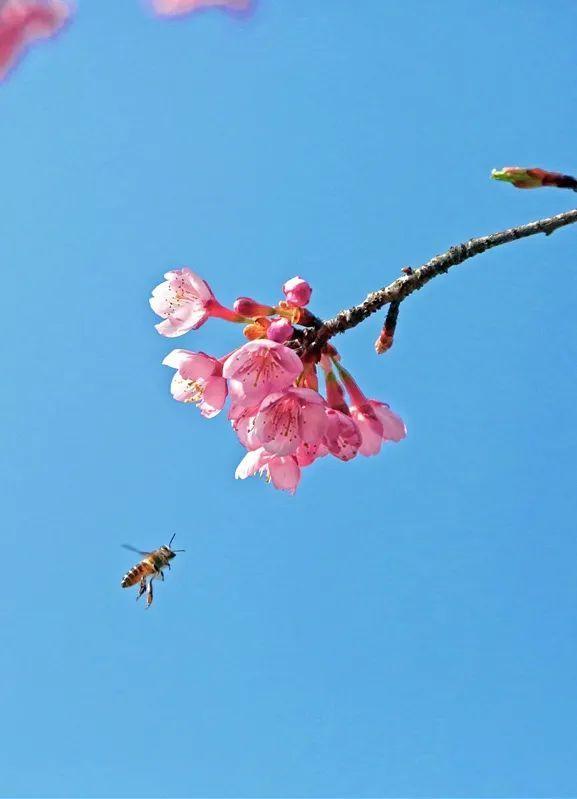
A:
405	625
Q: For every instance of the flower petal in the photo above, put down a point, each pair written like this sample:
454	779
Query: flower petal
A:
213	398
285	473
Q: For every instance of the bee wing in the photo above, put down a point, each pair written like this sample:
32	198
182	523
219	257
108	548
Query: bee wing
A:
133	549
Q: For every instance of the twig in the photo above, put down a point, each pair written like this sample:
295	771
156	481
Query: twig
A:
387	334
412	280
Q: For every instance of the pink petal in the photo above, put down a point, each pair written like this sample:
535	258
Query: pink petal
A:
313	423
176	358
213	398
285	473
180	389
371	432
277	426
199	365
198	284
250	464
393	426
305	455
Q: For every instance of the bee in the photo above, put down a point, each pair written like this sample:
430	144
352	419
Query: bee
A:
148	569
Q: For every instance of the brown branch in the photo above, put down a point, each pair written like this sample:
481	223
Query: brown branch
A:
415	279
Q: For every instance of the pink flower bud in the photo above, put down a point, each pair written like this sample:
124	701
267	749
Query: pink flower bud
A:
280	331
245	306
297	291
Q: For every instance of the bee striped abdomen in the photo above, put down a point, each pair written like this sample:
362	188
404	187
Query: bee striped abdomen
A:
136	574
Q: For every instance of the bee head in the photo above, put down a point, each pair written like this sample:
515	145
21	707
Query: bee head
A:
168	552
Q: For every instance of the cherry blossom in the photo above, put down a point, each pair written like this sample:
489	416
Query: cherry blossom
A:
198	379
260	368
343	436
286	420
185	301
377	423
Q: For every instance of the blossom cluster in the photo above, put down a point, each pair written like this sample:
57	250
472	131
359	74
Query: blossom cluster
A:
276	409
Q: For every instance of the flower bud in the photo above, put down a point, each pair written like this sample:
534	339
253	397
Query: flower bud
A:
534	178
280	331
245	306
297	291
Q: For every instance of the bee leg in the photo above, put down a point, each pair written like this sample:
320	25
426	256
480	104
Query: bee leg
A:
161	575
149	594
141	588
168	564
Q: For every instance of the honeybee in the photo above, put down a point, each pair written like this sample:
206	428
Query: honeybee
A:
149	568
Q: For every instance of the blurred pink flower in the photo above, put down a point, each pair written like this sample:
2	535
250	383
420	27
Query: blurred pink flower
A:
23	22
297	291
185	301
198	379
288	419
283	471
172	8
259	368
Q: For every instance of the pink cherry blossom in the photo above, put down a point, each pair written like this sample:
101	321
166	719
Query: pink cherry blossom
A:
198	379
259	368
377	423
175	7
24	21
297	291
283	471
343	437
280	330
375	419
185	301
290	418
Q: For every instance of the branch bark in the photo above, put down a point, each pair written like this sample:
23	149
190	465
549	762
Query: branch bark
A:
415	279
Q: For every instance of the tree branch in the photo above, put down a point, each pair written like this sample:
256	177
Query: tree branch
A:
415	279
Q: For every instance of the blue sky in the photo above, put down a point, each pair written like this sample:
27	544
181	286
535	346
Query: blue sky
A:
405	625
